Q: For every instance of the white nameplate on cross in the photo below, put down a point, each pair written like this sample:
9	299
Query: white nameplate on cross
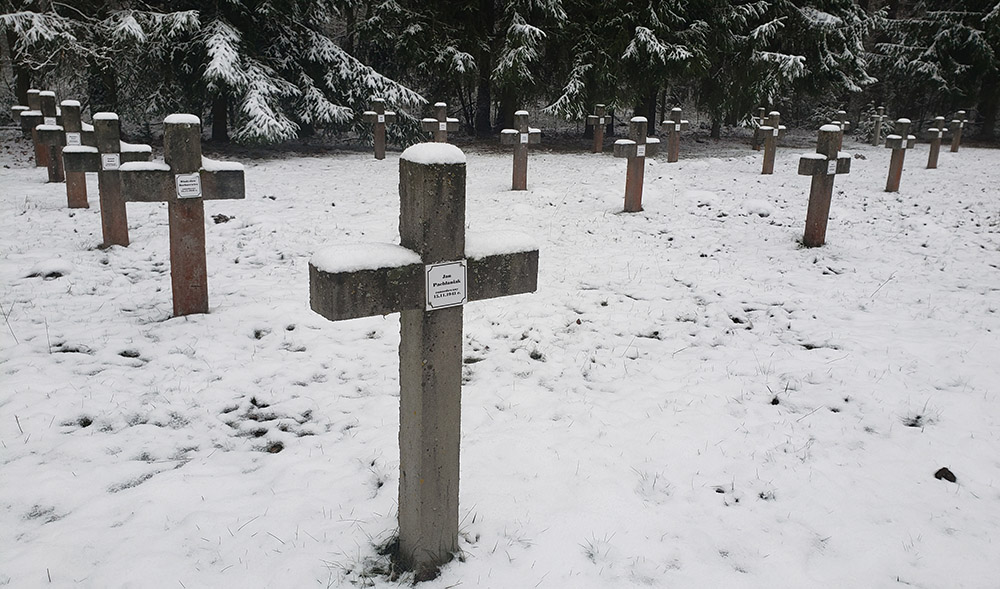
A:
774	132
442	126
831	167
446	284
381	118
73	139
524	137
600	121
188	185
110	161
940	134
50	121
640	151
677	127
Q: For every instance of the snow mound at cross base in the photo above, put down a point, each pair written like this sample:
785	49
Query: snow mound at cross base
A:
433	153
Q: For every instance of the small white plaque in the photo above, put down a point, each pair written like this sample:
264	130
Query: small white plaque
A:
110	161
961	125
446	284
442	126
73	139
188	185
774	132
831	167
381	118
677	127
524	137
600	121
940	134
640	151
49	121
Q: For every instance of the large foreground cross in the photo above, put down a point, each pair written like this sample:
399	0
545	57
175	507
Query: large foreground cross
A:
675	124
379	117
440	124
184	181
823	166
772	129
636	148
899	141
598	121
427	279
520	138
937	134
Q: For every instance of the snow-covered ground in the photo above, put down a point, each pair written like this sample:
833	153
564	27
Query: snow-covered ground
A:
691	399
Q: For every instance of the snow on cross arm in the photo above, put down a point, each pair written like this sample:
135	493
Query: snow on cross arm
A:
363	256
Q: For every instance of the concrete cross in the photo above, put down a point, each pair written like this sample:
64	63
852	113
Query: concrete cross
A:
51	137
759	120
427	279
879	117
675	124
379	117
441	124
822	166
899	141
958	123
47	114
598	121
16	111
31	116
105	157
937	133
520	138
845	125
772	131
636	148
184	181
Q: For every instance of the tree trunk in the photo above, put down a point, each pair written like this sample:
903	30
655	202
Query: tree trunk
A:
103	89
220	118
988	105
22	75
716	127
484	99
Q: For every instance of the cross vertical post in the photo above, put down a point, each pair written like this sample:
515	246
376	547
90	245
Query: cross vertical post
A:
427	279
520	138
759	120
958	123
879	117
823	166
379	117
16	111
772	131
598	121
675	125
184	181
31	118
49	135
636	148
440	124
899	141
937	133
75	136
844	125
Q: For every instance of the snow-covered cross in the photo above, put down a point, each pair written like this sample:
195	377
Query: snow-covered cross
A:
937	134
879	117
105	156
441	124
598	121
184	181
958	123
845	125
675	124
898	141
17	110
379	117
823	166
49	135
520	138
772	129
41	111
636	148
30	116
427	279
759	120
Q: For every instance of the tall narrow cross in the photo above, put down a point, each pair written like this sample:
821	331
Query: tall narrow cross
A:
76	133
772	131
879	117
427	279
105	157
598	121
636	148
759	120
845	125
520	138
440	124
47	114
675	124
823	167
937	133
958	123
899	141
379	117
184	181
50	136
16	111
31	116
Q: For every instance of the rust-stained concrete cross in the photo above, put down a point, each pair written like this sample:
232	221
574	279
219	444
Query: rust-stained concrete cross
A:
440	124
635	148
675	124
937	134
598	121
958	123
379	117
520	138
822	166
845	125
879	117
772	129
759	120
899	141
427	279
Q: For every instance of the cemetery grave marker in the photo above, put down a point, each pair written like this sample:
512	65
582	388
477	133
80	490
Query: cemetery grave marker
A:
520	138
441	124
937	133
845	125
598	121
427	279
16	111
184	181
105	157
32	115
49	135
958	123
878	117
823	167
675	124
379	117
899	141
772	131
759	120
636	148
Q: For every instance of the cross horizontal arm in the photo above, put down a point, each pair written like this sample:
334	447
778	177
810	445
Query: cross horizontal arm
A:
513	136
155	182
429	124
629	148
813	164
897	141
370	116
86	158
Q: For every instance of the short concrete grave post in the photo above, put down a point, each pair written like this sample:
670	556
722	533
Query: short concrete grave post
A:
32	117
50	136
937	133
427	279
636	148
675	124
823	167
899	141
520	138
598	121
879	117
379	117
958	123
845	125
441	124
772	131
105	157
759	120
184	181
